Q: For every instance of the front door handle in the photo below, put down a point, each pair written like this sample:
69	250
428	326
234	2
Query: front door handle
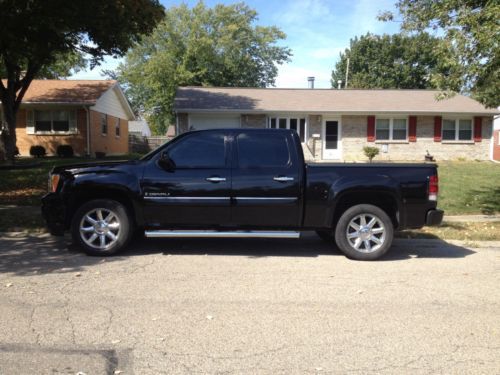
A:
216	179
283	178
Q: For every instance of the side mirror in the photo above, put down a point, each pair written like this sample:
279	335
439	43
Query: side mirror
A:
165	162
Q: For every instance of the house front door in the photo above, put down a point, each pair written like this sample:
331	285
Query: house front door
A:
332	142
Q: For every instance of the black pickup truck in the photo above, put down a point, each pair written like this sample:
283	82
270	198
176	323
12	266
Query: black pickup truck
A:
239	183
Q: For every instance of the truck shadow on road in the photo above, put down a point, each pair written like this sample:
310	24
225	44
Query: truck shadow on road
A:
308	246
35	254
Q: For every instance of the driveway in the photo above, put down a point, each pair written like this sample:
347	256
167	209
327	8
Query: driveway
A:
247	307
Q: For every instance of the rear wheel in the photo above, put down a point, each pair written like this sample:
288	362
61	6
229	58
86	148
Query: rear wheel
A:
101	227
364	232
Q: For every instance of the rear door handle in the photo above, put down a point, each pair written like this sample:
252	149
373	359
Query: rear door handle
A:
216	179
283	178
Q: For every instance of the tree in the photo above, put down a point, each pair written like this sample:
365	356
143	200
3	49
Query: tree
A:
202	46
397	61
35	33
472	29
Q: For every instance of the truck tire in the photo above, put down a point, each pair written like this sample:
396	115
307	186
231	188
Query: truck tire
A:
101	227
364	232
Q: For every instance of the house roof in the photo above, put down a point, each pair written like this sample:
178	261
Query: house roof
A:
259	100
66	91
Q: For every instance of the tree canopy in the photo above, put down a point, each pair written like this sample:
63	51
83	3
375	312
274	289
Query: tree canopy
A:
199	46
397	61
35	33
472	29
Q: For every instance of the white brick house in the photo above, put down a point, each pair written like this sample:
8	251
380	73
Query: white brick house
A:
337	124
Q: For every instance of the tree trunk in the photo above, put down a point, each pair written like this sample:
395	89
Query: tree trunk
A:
8	137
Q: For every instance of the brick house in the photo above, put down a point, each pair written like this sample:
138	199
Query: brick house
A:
496	139
91	116
337	124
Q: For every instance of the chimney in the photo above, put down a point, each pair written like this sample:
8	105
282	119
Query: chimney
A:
339	84
310	82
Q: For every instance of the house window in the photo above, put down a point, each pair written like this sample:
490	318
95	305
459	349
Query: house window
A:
295	123
457	130
391	129
117	127
104	124
51	121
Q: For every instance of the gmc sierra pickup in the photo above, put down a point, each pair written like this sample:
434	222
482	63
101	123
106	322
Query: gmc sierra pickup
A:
239	183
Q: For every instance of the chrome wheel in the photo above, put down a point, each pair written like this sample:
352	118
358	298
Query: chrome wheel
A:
366	233
100	228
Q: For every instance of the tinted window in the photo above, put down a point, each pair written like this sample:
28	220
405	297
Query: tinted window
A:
258	150
201	150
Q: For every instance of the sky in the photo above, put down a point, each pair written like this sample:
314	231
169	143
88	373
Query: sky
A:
317	31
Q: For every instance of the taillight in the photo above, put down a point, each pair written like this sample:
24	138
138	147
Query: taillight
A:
433	188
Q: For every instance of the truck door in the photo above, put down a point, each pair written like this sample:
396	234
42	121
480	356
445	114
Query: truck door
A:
197	190
266	184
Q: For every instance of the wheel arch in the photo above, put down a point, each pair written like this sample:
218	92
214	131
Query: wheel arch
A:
82	195
385	200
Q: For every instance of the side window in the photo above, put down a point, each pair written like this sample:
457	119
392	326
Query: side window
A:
258	151
200	150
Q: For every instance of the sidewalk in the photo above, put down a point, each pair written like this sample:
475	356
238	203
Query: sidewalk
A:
471	218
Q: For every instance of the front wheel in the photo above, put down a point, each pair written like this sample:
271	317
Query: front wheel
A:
364	232
101	227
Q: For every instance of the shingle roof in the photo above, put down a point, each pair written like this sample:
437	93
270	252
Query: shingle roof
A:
248	100
66	91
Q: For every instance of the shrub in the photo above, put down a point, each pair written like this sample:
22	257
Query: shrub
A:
65	151
38	151
370	152
100	155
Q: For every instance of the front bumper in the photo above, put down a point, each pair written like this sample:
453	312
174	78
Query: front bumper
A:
434	217
54	213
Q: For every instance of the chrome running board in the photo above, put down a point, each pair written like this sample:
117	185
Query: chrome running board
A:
219	234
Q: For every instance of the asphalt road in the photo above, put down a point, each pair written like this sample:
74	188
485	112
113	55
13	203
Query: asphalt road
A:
248	307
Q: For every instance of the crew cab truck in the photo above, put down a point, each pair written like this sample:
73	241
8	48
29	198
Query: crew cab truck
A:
239	183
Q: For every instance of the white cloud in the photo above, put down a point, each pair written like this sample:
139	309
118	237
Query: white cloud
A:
303	11
292	76
326	52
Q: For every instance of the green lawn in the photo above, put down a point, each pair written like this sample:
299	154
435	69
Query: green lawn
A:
26	186
470	187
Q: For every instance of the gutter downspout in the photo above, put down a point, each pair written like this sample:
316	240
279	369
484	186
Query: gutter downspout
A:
492	139
87	111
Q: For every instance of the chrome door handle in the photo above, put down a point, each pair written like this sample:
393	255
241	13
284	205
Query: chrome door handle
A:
216	179
283	178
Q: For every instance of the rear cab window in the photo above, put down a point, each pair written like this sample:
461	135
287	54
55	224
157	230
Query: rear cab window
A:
258	150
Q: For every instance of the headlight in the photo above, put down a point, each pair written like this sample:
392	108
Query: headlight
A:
53	182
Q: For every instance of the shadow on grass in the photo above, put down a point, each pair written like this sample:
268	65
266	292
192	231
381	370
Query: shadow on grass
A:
42	254
487	199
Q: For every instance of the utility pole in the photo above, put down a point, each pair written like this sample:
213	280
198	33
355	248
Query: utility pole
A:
346	73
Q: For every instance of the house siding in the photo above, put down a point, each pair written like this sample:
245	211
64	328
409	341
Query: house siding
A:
111	104
354	139
254	121
51	142
109	143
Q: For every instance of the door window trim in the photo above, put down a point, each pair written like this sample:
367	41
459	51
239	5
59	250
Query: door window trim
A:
339	139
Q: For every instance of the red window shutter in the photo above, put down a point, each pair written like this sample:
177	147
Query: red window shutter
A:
370	129
412	136
437	128
478	131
